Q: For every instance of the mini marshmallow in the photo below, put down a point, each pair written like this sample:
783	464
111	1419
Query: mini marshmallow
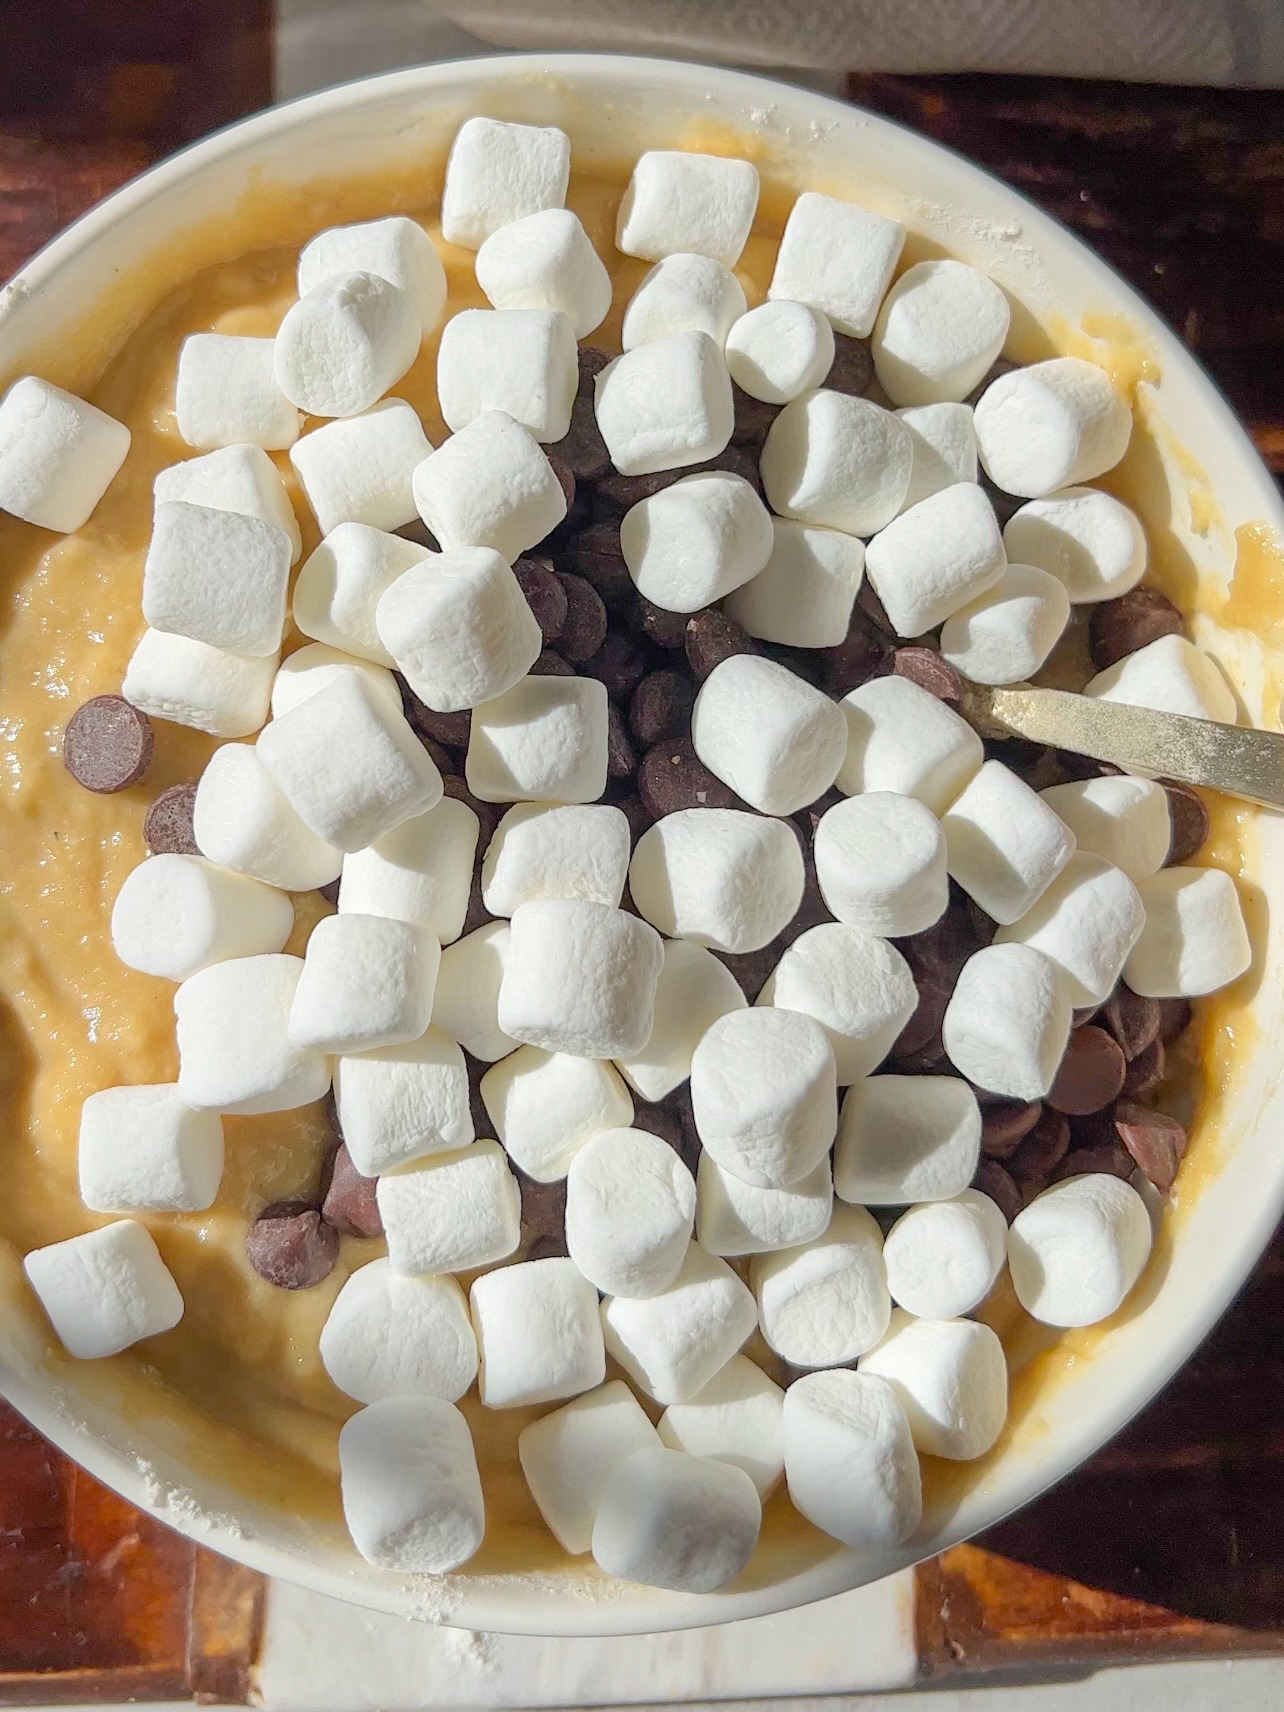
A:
850	1462
1087	921
388	1335
764	1095
577	850
696	540
1089	540
538	1332
856	986
951	1379
395	249
630	1206
943	442
242	820
490	486
568	1457
177	914
944	1257
367	981
499	172
451	1212
901	738
737	1418
544	741
719	876
546	261
58	454
734	1217
190	683
665	405
906	1138
694	989
1194	940
1006	634
315	665
678	201
398	1103
825	1303
234	1049
839	258
684	293
1049	426
687	1523
142	1150
340	347
1003	844
935	558
349	765
672	1344
412	1496
339	585
1077	1249
238	478
780	350
1170	674
466	1003
104	1290
579	977
459	628
518	361
360	469
880	864
760	728
835	460
546	1105
420	872
804	594
226	394
1119	818
940	328
1008	1021
216	577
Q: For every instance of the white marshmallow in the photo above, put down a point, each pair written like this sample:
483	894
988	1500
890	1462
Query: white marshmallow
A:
421	871
696	540
678	201
226	394
190	683
518	361
499	172
684	293
630	1206
451	1212
544	740
398	1103
839	258
880	864
944	1257
825	1303
672	1344
546	1105
238	478
1194	940
412	1496
694	989
579	977
234	1049
392	1336
340	347
951	1379
143	1151
734	1217
901	738
367	981
943	442
737	1418
767	733
177	914
216	577
856	986
906	1138
574	851
1008	1021
764	1095
719	876
665	405
546	261
1087	921
804	594
242	820
538	1332
1077	1249
1006	634
317	664
940	328
1170	674
780	350
1003	844
466	1003
58	454
339	585
1089	540
350	766
490	486
568	1457
395	249
105	1289
835	460
935	558
359	469
1049	426
688	1523
1121	819
850	1462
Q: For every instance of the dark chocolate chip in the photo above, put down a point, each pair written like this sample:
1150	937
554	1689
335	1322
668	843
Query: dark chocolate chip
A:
1000	366
735	460
621	762
592	360
926	668
919	1042
672	777
1005	1126
543	1209
853	366
666	629
291	1245
1042	1150
753	418
584	629
107	745
618	664
1006	505
993	1180
751	968
1146	1072
565	476
1109	1158
869	603
544	593
1120	627
1132	1020
330	892
616	494
452	729
551	665
1156	1141
661	707
420	534
673	1121
167	829
1189	818
1174	1018
582	449
487	813
712	637
547	1248
856	659
637	814
1091	1074
594	554
350	1204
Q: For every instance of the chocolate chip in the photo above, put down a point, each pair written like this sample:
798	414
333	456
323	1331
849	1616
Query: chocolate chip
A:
661	707
1042	1150
565	476
671	777
452	729
594	554
544	593
1156	1141
1132	1020
753	418
419	532
672	1120
993	1180
167	829
868	603
1091	1074
637	814
751	968
107	744
618	664
1120	627
665	629
592	360
853	366
1005	1126
291	1245
544	1210
621	762
1110	1158
487	813
584	629
712	637
735	460
330	892
350	1204
1189	818
1000	366
550	664
582	449
616	494
919	1043
1174	1018
1005	505
926	668
1146	1072
855	660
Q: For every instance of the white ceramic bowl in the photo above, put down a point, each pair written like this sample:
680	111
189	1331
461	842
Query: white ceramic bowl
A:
613	107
